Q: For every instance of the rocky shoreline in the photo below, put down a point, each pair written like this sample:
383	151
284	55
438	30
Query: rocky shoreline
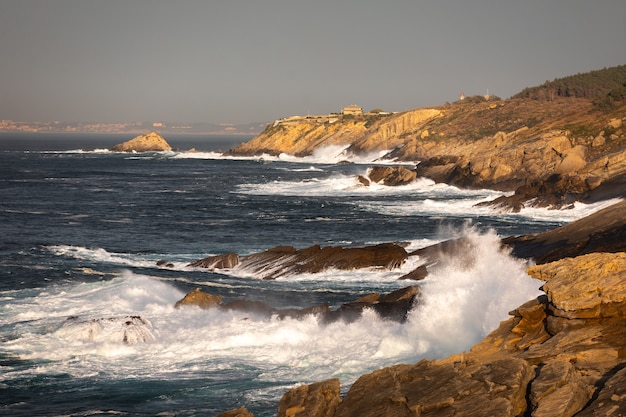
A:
561	354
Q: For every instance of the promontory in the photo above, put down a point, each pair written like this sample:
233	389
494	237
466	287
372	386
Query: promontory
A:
554	144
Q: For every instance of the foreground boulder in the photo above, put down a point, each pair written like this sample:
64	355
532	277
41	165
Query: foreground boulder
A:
287	260
150	142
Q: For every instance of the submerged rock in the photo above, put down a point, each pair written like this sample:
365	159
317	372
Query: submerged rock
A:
150	142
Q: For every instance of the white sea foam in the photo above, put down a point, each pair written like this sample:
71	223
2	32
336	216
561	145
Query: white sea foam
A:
460	304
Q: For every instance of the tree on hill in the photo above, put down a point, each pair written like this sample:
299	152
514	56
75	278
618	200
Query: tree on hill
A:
594	85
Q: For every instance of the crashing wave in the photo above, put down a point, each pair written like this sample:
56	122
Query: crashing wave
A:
128	329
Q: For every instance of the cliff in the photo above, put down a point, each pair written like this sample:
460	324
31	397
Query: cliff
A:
552	152
150	142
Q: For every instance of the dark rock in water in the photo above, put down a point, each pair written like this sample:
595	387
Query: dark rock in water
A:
199	298
602	231
126	329
417	274
299	313
319	399
392	176
557	192
287	260
258	308
165	264
393	306
223	261
363	180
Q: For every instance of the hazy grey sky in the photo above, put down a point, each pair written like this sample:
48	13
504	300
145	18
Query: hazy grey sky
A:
238	61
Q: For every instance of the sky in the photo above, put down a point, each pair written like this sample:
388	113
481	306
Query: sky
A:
244	61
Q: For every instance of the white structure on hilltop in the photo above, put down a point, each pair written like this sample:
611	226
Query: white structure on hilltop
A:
352	109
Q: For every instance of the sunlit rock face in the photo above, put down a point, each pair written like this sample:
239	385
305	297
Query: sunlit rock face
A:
150	142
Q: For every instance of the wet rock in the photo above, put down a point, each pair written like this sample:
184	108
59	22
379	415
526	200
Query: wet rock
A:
199	298
391	176
150	142
223	261
602	231
319	399
287	260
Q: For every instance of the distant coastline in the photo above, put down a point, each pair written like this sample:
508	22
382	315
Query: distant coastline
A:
11	126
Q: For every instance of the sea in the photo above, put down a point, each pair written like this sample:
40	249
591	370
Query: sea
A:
88	324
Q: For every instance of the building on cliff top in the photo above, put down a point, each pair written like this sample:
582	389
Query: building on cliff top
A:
352	109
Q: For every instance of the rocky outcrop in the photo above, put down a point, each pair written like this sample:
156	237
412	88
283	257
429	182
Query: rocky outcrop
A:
150	142
287	260
559	355
316	400
390	176
362	134
602	231
199	298
393	306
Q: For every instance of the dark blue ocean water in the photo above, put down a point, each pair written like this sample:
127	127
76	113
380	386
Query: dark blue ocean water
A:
81	231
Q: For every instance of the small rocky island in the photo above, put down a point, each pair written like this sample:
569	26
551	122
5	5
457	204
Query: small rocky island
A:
150	142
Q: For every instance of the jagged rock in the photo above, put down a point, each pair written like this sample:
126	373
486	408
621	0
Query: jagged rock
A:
319	399
495	388
392	306
287	260
223	261
602	231
574	292
239	412
391	176
150	142
199	298
558	390
611	400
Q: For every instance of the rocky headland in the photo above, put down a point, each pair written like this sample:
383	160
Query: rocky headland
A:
551	145
150	142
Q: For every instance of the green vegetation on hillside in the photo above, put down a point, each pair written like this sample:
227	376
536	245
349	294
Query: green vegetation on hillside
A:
594	85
